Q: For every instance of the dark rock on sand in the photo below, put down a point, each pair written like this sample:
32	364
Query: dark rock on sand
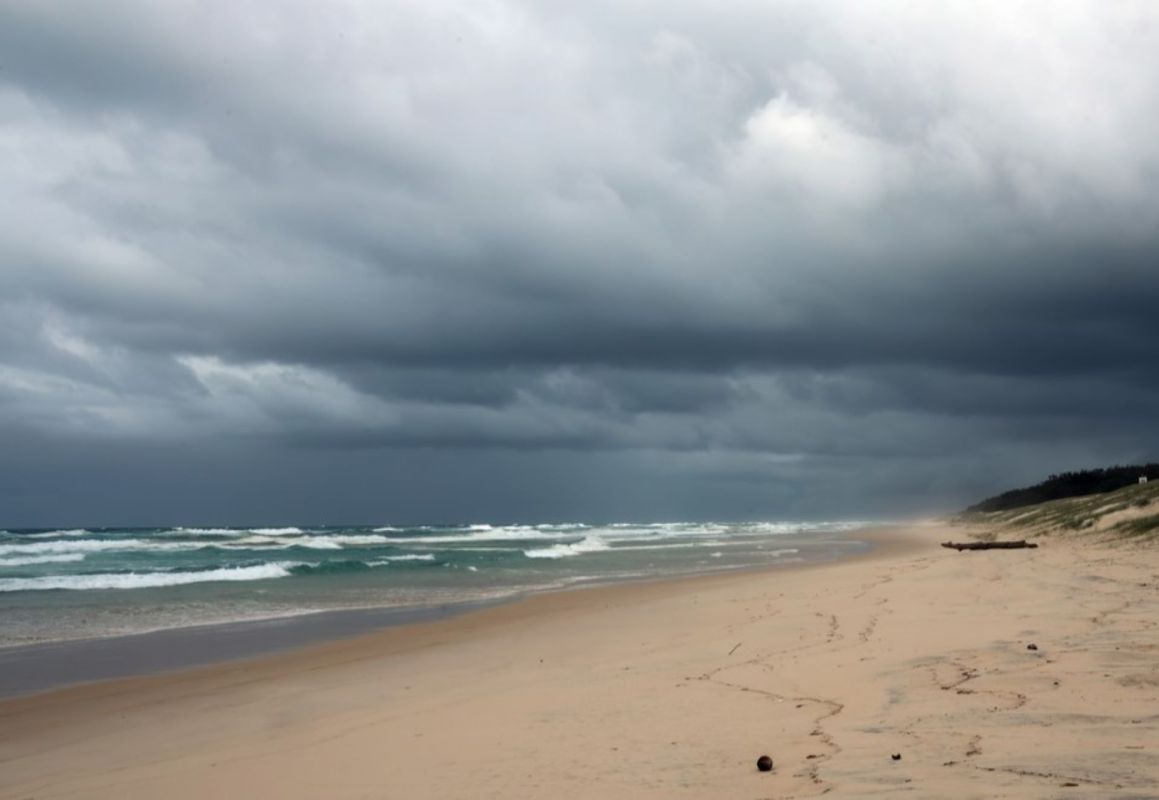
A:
765	764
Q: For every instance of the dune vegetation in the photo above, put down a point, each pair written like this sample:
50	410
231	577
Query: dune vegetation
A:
1132	511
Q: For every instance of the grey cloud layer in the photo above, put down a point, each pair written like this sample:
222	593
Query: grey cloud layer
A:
772	239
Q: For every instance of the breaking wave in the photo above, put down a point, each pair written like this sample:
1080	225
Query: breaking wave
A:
589	544
90	545
28	560
480	535
204	532
54	534
142	580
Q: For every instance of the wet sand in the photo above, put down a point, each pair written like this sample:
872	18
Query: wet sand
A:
667	689
27	669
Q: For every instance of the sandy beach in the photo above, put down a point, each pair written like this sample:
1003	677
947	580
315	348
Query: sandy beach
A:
663	690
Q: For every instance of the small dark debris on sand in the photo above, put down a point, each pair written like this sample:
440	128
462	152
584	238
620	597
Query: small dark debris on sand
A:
1032	646
896	756
765	764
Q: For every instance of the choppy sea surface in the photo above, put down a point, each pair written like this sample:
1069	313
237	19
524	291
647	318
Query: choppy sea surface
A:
70	584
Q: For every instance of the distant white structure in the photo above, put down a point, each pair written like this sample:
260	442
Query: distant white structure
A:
1142	479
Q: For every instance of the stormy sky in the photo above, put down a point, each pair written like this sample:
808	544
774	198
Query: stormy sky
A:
516	260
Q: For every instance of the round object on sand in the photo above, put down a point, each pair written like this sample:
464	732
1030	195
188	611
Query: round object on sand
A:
765	764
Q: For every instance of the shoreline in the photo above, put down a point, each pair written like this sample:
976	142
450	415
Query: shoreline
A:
46	666
665	689
90	584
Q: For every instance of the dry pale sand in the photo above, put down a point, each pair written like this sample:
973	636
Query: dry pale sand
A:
667	691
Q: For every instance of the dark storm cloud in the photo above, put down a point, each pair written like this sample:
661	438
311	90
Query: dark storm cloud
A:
674	259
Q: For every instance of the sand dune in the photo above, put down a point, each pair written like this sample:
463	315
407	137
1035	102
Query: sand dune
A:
668	690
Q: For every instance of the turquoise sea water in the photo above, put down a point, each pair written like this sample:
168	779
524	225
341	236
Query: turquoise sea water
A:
66	584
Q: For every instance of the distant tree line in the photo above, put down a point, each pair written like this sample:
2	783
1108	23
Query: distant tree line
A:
1069	484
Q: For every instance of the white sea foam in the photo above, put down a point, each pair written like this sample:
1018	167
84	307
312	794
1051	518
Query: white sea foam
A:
316	543
277	531
252	543
657	532
355	539
481	535
479	549
669	530
387	529
91	545
665	529
57	534
618	532
141	580
58	559
335	542
205	532
409	557
778	528
589	544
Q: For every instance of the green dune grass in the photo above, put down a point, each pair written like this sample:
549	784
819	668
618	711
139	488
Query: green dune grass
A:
1132	511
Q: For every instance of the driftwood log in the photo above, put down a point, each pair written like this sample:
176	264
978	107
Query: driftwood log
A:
960	546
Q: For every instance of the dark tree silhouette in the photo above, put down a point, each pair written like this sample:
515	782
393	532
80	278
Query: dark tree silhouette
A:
1069	484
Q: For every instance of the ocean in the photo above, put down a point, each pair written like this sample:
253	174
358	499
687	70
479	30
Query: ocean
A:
60	585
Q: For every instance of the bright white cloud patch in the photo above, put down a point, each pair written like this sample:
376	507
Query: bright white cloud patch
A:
814	158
